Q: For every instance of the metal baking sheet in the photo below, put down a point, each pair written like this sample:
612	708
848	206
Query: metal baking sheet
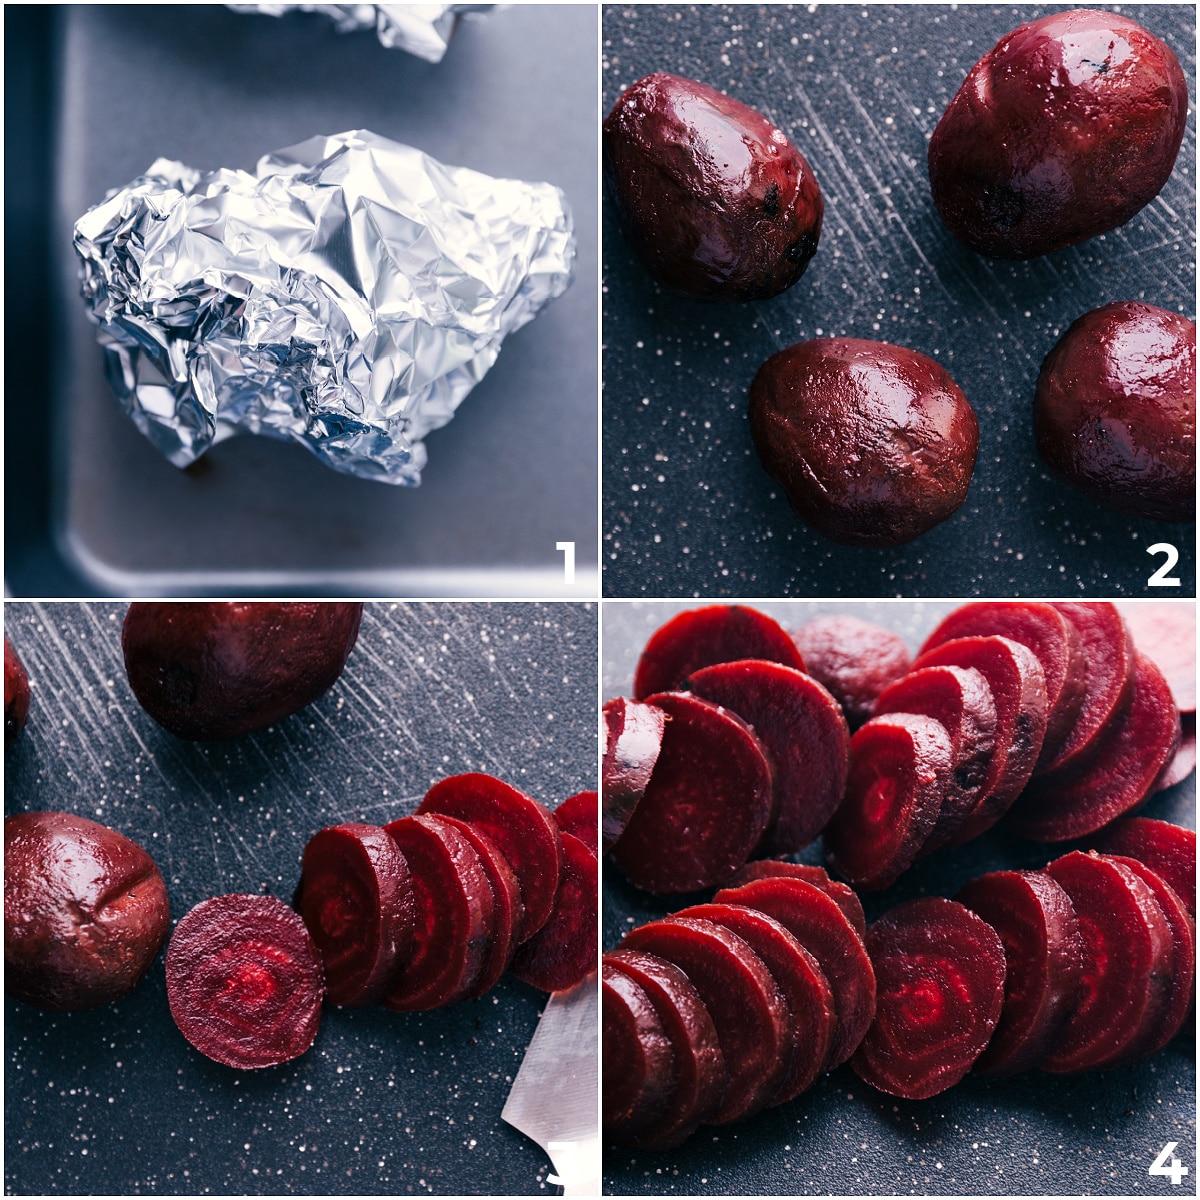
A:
1035	1134
687	508
113	1101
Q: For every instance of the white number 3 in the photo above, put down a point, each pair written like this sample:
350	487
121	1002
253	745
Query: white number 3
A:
1176	1171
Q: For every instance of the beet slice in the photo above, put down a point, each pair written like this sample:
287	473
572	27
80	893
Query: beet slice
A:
1165	631
960	700
708	803
750	1015
634	734
244	981
844	897
940	971
899	764
700	1076
579	815
452	936
1184	761
564	950
1168	850
802	732
702	637
1113	780
356	899
1018	687
799	978
821	927
522	829
1128	955
1043	954
638	1068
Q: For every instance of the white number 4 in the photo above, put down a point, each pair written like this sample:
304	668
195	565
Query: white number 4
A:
1176	1171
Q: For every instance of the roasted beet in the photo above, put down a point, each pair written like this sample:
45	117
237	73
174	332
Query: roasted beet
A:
633	739
1064	129
638	1068
85	911
579	815
712	197
1115	411
16	694
1166	632
844	897
1166	849
221	669
874	444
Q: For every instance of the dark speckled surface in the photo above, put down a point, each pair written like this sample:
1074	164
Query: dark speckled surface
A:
114	1101
687	508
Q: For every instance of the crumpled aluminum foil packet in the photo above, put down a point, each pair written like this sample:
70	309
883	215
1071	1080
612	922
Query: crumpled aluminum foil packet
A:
421	29
347	296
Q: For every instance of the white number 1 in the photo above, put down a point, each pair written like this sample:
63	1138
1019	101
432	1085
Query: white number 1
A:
1176	1171
568	549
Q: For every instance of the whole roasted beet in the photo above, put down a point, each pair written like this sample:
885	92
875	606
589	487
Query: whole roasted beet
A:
715	200
1115	412
85	911
1065	128
16	694
874	444
217	670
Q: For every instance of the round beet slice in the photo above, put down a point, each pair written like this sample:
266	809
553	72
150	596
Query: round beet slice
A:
453	932
821	927
899	764
244	981
940	973
357	901
700	1074
564	950
1165	631
707	805
579	815
1043	955
521	828
1184	761
633	739
1116	778
803	734
844	897
750	1014
702	637
1168	850
638	1068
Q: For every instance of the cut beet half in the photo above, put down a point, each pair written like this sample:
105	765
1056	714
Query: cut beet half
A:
940	973
1168	850
1165	631
452	936
633	739
579	815
707	806
960	700
1043	954
700	1075
565	949
899	764
802	732
750	1015
356	899
844	897
703	637
821	927
522	829
1112	781
244	981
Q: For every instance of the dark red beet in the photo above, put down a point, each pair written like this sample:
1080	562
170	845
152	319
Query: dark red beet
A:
940	973
899	764
522	830
1128	956
1184	762
579	815
1116	778
634	734
1043	954
244	981
16	694
707	806
356	900
564	950
639	1063
1166	849
1165	631
844	897
802	733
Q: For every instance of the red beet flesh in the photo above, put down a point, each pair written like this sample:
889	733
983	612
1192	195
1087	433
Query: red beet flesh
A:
638	1067
16	694
579	815
1184	761
1166	849
634	734
1166	633
844	897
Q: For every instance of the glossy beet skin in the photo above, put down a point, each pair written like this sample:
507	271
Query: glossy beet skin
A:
16	694
714	200
1064	129
219	670
874	444
1115	412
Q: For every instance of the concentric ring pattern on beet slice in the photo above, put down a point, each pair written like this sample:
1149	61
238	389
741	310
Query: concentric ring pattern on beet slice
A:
356	899
940	975
579	815
1168	850
707	805
702	637
633	739
844	897
638	1067
244	981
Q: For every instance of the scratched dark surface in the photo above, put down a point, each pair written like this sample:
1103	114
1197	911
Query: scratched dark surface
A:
114	1101
1035	1134
687	509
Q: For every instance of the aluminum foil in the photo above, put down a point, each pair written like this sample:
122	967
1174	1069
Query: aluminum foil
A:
347	296
421	29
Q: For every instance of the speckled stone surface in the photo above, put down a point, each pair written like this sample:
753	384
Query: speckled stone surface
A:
687	509
114	1101
1035	1134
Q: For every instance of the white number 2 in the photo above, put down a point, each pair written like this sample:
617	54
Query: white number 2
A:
1176	1171
1161	577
